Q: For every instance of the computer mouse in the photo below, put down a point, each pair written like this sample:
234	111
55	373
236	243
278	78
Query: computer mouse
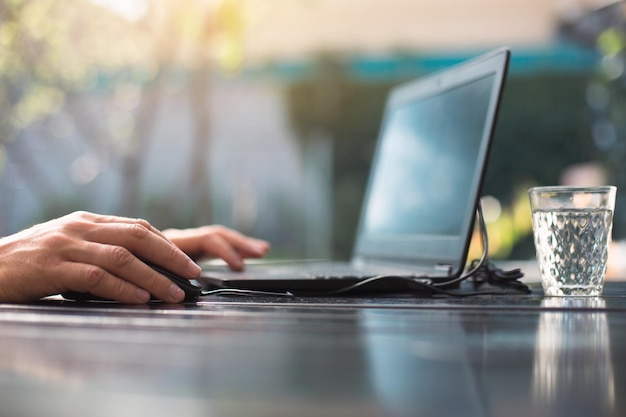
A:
192	291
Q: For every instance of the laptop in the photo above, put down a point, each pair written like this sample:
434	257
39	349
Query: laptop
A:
419	209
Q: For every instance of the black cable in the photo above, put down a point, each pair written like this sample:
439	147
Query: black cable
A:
480	270
477	265
239	291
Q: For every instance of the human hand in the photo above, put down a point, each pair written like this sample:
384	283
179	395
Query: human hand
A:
218	241
87	252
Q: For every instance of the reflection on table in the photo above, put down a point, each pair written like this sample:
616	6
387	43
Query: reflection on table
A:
396	356
573	369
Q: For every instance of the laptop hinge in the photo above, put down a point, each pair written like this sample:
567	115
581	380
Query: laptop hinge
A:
447	269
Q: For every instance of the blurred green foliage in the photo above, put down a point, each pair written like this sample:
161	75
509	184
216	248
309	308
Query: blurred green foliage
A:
607	106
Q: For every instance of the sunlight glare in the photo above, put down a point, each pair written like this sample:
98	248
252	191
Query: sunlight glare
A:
132	10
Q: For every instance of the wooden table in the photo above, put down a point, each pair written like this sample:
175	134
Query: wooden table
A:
244	356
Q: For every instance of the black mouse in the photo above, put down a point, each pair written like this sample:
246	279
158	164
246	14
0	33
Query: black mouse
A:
192	291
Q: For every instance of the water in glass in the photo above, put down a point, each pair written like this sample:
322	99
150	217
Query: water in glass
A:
572	249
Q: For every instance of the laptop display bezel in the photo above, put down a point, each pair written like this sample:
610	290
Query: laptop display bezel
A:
443	254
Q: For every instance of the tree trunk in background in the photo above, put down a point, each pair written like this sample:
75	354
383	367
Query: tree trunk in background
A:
199	181
132	163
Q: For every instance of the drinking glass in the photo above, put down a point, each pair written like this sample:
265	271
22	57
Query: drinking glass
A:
572	232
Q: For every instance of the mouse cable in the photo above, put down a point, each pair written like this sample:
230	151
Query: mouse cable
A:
240	291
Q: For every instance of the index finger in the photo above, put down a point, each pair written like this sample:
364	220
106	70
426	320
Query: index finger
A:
145	242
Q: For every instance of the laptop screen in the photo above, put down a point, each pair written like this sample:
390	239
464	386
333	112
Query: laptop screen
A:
426	162
428	166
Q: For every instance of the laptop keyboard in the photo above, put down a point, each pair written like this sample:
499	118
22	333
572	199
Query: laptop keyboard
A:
305	270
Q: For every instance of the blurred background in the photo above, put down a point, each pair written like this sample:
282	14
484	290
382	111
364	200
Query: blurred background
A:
262	114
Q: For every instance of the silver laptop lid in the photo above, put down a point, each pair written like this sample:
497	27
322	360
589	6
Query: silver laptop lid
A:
429	166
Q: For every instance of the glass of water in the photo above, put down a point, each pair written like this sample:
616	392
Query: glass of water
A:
572	230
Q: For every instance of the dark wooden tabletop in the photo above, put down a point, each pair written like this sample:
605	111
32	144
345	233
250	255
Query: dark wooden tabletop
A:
506	355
